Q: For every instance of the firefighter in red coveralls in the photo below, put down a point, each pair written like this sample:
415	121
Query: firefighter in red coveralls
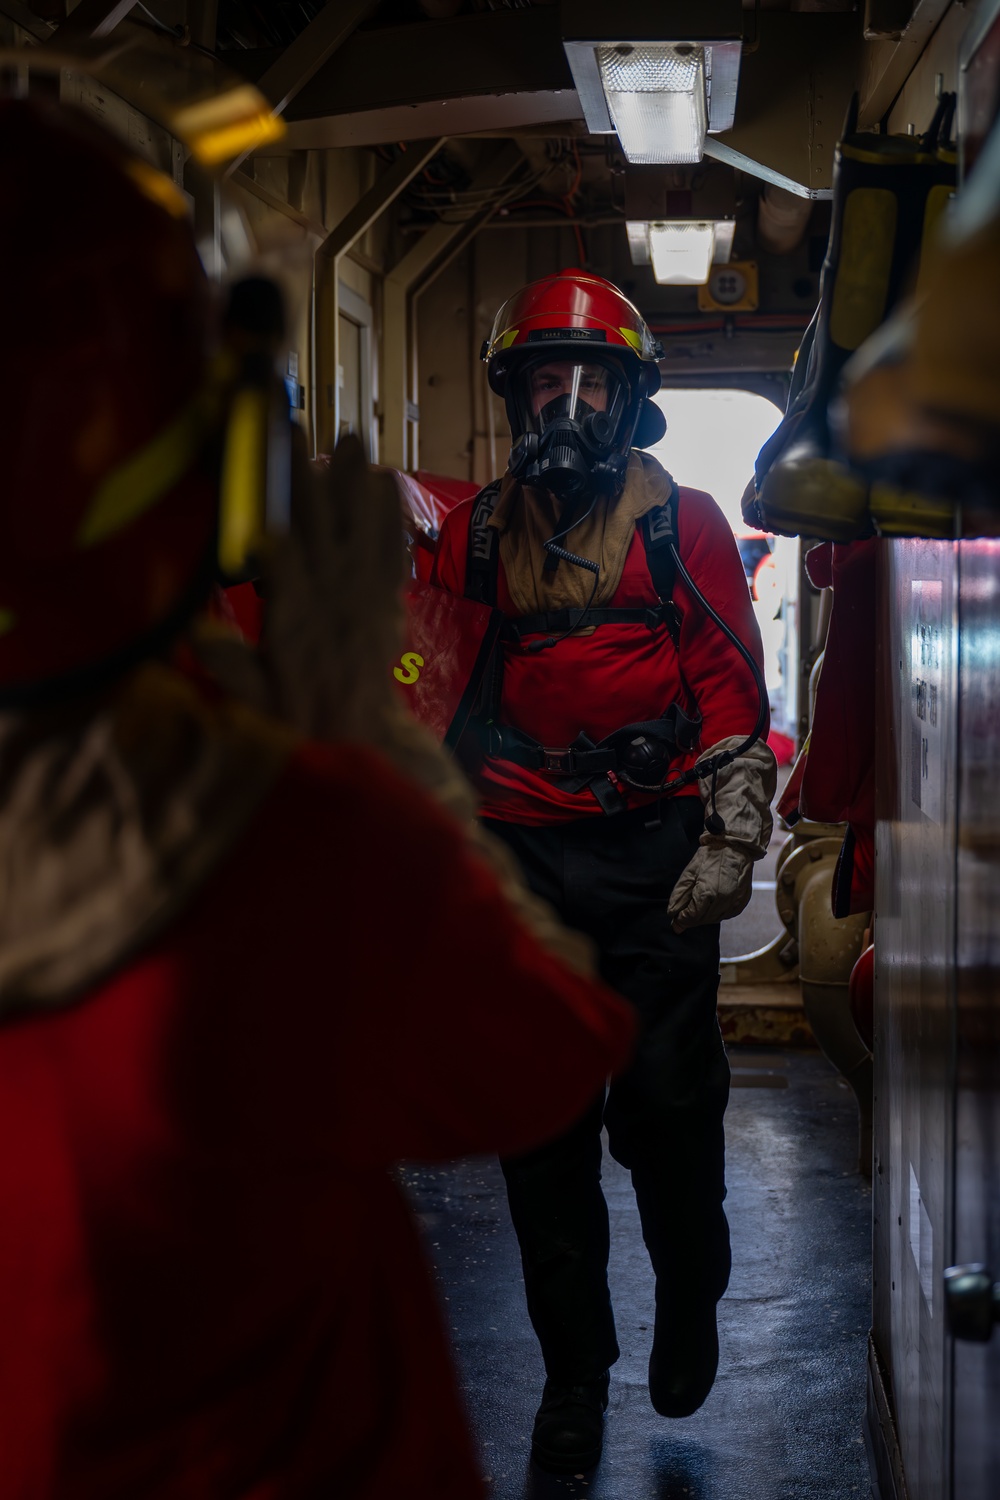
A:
222	1011
620	752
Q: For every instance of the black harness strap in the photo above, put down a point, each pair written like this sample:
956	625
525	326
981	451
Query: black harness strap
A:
482	560
560	621
658	529
585	758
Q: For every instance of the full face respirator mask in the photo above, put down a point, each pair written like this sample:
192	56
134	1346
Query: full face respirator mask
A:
571	424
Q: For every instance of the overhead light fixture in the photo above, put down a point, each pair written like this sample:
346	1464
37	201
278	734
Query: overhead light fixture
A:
660	93
656	100
681	251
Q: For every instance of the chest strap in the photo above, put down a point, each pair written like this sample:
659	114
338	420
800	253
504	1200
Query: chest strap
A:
562	621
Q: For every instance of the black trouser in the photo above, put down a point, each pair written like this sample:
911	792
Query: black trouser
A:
611	877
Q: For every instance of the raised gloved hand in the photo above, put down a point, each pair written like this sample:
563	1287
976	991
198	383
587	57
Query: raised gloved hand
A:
332	626
716	883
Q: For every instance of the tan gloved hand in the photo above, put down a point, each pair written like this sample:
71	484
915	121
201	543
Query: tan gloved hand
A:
717	881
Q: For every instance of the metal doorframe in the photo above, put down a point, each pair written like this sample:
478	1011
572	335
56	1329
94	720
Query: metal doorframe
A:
355	309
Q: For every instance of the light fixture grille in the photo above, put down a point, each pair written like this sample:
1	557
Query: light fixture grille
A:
650	68
656	99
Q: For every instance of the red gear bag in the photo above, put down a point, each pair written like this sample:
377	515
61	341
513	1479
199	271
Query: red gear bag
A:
448	644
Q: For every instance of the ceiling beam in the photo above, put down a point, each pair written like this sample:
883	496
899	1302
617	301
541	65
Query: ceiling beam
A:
555	112
243	179
19	13
386	188
487	52
90	19
314	46
793	96
202	19
889	65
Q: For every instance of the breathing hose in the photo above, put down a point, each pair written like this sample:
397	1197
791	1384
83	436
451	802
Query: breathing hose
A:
561	555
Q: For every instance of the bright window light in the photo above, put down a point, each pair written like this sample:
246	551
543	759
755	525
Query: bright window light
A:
681	253
656	98
712	440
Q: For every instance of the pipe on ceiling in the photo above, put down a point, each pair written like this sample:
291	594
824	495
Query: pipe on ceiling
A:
782	219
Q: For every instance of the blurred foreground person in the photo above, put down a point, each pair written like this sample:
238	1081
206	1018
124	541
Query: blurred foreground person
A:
223	1010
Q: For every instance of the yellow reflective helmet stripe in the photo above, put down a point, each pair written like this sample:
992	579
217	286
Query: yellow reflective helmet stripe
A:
143	480
157	187
242	494
631	337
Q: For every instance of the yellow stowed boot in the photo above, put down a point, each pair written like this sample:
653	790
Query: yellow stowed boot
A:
920	416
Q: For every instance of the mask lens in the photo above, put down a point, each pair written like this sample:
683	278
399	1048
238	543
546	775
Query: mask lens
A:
555	390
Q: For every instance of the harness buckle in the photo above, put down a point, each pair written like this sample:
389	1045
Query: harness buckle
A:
560	762
654	617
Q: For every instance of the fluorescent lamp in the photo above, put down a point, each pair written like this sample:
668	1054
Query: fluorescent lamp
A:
656	99
682	251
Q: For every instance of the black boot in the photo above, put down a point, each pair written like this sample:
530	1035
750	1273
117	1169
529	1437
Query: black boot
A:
569	1426
684	1358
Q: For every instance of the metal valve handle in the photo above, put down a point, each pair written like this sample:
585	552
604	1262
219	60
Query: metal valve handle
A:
972	1302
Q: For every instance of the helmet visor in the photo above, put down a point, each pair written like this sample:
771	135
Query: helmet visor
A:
545	390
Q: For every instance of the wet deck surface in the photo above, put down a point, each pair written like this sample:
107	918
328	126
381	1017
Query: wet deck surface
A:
784	1419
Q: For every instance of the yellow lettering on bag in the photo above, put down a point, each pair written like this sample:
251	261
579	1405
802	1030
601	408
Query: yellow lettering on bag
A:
409	668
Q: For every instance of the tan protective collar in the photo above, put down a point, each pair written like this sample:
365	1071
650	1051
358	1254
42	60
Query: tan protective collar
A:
526	519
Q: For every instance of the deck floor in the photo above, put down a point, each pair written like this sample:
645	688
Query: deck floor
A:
784	1419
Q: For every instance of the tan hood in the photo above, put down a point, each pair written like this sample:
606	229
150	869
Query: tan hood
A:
527	518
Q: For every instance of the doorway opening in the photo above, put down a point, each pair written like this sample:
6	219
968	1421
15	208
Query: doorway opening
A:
711	443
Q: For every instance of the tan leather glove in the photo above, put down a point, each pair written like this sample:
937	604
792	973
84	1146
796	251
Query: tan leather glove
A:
717	881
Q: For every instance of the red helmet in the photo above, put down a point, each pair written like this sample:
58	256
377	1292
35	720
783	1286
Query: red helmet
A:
107	505
575	321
